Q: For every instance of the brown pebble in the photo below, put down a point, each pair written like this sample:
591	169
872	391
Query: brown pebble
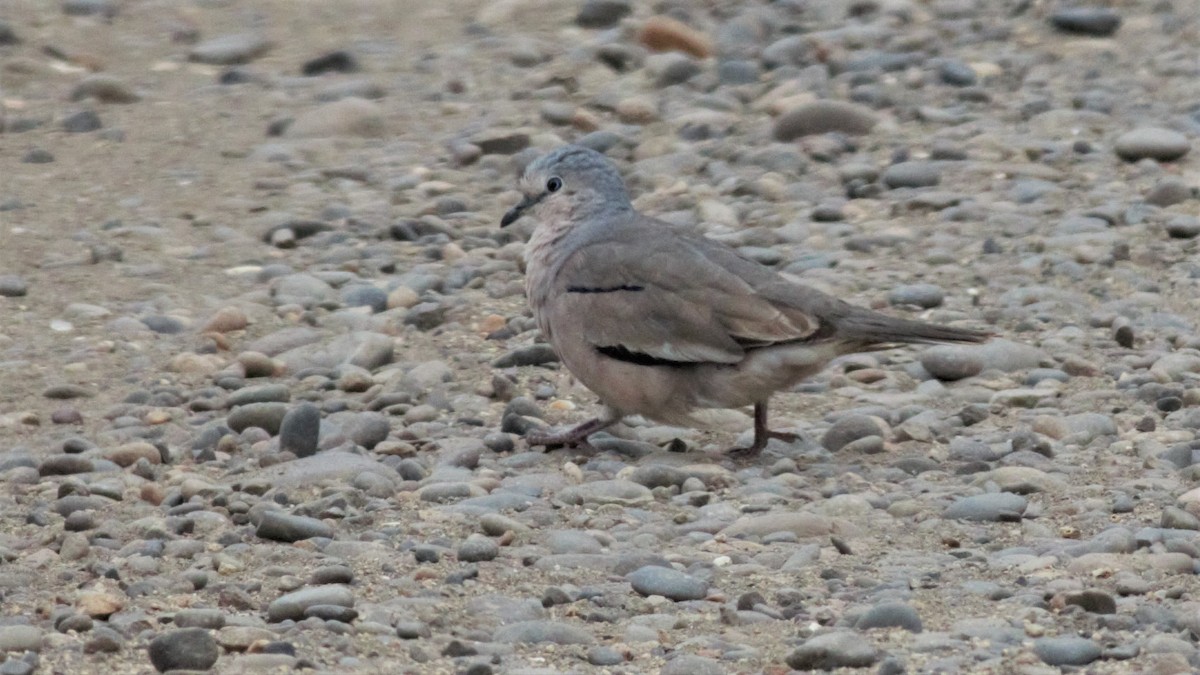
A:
98	604
129	453
152	493
664	34
227	319
259	365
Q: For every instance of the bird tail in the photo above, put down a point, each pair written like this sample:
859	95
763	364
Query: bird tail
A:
873	328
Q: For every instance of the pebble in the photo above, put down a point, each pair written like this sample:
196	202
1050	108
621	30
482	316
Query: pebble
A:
597	14
1066	651
822	117
228	50
279	526
998	506
662	33
20	638
691	664
913	174
890	615
1183	227
839	649
13	286
478	549
184	649
267	416
1164	145
299	430
105	89
293	605
925	296
667	582
852	428
82	122
950	363
541	632
1094	21
351	116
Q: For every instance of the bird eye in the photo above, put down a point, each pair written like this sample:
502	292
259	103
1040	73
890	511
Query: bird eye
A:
554	184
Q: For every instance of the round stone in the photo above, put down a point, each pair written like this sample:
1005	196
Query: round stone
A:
184	649
1155	143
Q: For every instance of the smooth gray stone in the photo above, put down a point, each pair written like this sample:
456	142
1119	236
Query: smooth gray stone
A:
996	506
300	430
293	605
540	632
184	649
890	615
667	582
1066	651
280	526
841	649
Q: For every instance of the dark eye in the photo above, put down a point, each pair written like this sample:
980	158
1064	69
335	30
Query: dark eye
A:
554	184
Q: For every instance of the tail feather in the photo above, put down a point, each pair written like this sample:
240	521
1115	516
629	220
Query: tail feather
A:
873	328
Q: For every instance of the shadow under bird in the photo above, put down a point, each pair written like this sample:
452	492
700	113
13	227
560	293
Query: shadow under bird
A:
659	320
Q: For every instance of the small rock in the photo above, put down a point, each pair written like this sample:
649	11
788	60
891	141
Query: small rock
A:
351	116
13	286
228	50
890	615
1095	601
332	62
822	117
602	13
691	664
1094	21
1168	192
300	430
851	428
280	526
20	638
1156	143
184	649
1066	651
1183	226
913	174
38	156
667	582
997	506
949	363
501	142
478	548
841	649
921	295
268	416
662	34
104	88
294	604
82	122
539	632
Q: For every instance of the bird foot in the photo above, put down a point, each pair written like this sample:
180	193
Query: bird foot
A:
760	442
575	437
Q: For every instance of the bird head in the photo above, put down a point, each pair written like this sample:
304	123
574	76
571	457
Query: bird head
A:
566	181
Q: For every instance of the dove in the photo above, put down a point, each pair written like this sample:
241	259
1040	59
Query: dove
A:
661	321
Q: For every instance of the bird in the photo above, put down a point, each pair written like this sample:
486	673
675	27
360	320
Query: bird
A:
659	320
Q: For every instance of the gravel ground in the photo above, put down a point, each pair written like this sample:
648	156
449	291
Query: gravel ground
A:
267	363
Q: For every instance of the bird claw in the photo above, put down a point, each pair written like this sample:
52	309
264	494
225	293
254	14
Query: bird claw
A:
564	439
575	437
760	442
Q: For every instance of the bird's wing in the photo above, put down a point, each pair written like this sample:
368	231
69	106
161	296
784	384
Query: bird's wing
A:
656	294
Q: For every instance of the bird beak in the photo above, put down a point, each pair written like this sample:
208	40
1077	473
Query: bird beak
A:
517	211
